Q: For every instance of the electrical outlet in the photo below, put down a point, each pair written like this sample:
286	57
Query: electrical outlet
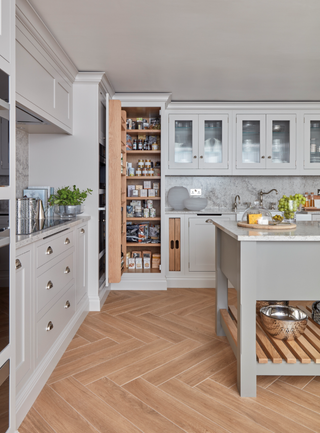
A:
195	191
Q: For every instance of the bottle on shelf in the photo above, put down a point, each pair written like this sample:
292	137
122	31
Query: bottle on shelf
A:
311	199
307	203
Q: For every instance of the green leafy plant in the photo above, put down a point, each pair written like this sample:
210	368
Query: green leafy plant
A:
69	197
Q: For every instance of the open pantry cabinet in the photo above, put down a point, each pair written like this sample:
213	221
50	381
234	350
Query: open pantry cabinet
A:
134	235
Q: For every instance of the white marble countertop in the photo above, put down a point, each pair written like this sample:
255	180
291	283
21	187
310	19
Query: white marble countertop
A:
305	231
22	240
4	238
203	211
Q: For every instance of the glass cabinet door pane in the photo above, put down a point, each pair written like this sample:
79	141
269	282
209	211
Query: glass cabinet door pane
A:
183	141
213	141
251	141
315	141
280	141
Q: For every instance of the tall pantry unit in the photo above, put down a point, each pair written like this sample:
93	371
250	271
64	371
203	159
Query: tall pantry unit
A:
122	107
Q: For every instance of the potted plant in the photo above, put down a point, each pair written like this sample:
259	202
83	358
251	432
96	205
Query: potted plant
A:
68	201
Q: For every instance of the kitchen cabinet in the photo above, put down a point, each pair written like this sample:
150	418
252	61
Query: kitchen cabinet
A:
4	147
24	317
266	141
199	142
5	26
311	158
82	262
201	245
174	244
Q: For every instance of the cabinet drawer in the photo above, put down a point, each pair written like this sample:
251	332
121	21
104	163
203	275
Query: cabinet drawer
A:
53	246
53	280
50	326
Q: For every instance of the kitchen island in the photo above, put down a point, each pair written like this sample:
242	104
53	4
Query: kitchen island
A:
263	265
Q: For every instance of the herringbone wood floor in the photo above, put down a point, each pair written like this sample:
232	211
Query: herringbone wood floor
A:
150	362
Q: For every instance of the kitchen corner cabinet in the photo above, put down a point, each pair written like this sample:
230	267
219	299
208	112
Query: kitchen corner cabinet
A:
24	317
199	142
311	157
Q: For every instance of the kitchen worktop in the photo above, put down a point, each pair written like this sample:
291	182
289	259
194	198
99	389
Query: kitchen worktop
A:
305	231
22	240
216	210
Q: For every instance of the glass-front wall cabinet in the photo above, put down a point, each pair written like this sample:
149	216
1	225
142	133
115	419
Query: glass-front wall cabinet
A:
266	141
198	141
312	142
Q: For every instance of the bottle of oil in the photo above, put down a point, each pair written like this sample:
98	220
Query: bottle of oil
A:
311	199
307	203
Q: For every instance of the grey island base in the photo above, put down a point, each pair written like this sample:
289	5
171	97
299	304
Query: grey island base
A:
280	265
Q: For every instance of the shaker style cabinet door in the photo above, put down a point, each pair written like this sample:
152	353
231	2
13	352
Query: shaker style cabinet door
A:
82	262
213	141
5	22
250	141
24	319
311	157
174	244
281	141
201	245
183	141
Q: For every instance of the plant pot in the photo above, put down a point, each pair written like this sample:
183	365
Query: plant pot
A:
68	211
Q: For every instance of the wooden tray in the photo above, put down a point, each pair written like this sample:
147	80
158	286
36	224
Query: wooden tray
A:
262	227
310	209
305	349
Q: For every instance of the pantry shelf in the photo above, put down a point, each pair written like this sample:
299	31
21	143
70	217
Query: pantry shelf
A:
152	152
143	177
143	131
142	271
144	219
143	198
140	244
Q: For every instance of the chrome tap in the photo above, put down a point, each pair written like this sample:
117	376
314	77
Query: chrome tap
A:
265	193
235	202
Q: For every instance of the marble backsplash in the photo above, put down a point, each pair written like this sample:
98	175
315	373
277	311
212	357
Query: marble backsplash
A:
22	161
221	190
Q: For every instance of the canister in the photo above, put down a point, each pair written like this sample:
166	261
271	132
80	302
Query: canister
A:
149	204
152	212
131	171
155	146
146	213
22	207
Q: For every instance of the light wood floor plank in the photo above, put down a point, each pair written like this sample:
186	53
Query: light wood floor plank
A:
217	412
89	334
184	362
145	365
134	331
92	360
135	303
181	415
208	367
103	417
178	306
297	381
132	408
189	323
154	329
34	423
175	327
156	305
291	393
313	387
107	330
76	342
86	350
266	381
191	309
115	364
250	408
227	376
60	415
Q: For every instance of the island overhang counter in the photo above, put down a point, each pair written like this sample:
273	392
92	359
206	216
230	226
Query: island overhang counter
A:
264	265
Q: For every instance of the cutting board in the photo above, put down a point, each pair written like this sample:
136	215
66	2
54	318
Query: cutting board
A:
282	226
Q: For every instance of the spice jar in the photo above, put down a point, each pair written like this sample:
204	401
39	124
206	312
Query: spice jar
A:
150	172
155	146
144	172
140	163
138	171
147	164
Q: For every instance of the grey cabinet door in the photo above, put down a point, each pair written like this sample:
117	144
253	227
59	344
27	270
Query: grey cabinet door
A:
201	245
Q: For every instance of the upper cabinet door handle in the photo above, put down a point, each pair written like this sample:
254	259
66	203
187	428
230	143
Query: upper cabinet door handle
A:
194	156
49	251
18	264
262	157
201	156
172	244
82	231
269	157
67	241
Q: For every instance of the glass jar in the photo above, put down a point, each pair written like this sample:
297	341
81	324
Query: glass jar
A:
138	172
147	164
313	145
140	163
307	203
257	215
144	172
312	199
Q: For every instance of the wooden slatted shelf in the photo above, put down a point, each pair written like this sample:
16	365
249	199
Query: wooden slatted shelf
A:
152	152
143	131
304	349
143	177
142	271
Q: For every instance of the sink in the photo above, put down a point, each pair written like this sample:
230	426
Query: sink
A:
195	203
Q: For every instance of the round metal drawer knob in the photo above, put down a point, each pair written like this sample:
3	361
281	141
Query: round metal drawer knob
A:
201	157
67	241
49	285
262	157
195	156
49	251
269	157
82	231
67	270
67	305
49	326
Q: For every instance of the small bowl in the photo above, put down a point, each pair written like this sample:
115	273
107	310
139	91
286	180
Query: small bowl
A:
68	211
195	203
261	304
283	323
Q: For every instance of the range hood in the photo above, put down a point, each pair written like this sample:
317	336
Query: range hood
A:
25	117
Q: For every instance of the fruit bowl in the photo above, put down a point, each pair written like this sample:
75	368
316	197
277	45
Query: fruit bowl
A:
290	205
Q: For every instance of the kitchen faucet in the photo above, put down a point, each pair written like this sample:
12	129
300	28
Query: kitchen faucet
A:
265	193
235	202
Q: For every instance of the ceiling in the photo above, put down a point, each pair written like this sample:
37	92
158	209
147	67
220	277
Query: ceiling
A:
204	50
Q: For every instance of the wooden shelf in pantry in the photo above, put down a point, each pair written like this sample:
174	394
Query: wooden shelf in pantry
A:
143	177
144	131
141	244
144	198
152	152
144	219
142	271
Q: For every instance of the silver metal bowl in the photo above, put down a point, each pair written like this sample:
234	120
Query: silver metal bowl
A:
282	322
261	304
